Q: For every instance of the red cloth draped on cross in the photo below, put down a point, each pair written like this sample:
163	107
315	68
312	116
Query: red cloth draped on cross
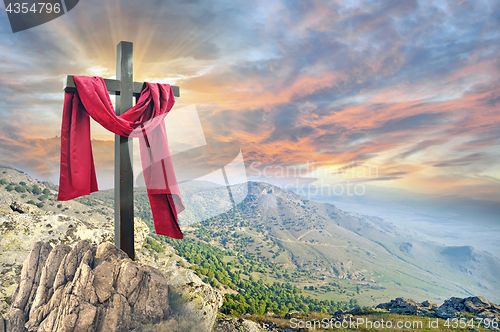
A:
145	121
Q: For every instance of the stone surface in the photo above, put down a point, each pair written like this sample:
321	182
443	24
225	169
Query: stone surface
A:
15	320
453	307
245	325
27	208
476	305
30	277
236	324
19	232
197	302
406	307
88	288
341	316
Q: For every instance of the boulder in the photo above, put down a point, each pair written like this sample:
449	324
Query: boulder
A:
293	313
244	325
88	288
342	316
236	324
453	307
476	305
197	302
19	232
407	307
26	208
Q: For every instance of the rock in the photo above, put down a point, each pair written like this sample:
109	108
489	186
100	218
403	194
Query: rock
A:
197	302
5	209
342	316
429	305
292	313
19	232
30	277
117	317
446	312
103	280
476	305
85	288
191	298
45	288
15	320
26	208
70	263
244	325
450	308
236	324
405	307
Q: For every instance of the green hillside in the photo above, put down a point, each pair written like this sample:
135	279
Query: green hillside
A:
277	251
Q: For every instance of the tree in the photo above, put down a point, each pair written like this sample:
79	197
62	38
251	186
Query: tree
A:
36	190
20	189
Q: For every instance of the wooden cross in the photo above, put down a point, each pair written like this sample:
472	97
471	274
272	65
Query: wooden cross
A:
125	89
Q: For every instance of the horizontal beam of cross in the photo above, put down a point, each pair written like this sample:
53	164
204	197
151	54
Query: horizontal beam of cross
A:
113	86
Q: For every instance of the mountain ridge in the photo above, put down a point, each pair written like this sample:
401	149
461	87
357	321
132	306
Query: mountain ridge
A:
318	244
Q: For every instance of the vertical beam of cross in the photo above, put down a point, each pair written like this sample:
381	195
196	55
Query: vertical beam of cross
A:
125	89
124	179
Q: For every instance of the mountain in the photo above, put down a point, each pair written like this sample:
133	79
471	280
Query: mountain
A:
355	256
277	236
453	220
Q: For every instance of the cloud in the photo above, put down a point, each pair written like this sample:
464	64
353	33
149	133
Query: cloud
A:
464	161
409	86
412	122
421	146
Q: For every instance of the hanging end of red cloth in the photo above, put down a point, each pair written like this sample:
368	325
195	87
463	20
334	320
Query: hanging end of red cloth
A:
165	213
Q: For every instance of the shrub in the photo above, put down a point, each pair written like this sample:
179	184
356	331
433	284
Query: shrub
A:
36	189
46	191
31	202
3	182
9	187
40	205
59	206
22	183
20	189
24	196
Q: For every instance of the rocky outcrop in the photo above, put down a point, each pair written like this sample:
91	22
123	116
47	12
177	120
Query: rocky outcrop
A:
89	288
244	325
27	208
192	299
342	316
408	307
236	324
19	232
477	305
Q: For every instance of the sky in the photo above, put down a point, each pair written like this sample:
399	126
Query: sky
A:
398	94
